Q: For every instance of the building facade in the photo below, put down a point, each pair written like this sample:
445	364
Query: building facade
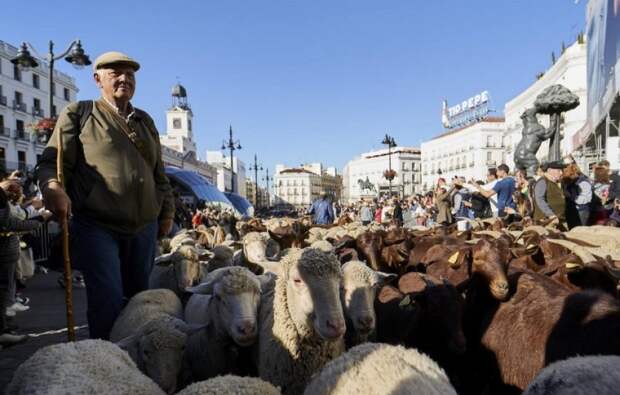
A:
24	102
257	198
569	70
296	186
467	152
221	163
370	167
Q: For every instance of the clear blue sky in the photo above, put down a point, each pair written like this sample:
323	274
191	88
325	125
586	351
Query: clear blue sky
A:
314	80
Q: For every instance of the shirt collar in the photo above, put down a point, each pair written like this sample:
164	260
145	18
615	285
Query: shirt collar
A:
132	111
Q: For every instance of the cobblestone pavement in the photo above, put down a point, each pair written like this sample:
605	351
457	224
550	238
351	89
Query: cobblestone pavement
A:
47	313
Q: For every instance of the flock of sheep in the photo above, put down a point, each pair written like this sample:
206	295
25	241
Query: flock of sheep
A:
281	306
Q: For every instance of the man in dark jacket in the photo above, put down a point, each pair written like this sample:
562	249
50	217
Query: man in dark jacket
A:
549	198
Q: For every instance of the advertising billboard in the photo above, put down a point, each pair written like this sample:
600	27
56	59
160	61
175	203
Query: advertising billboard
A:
603	40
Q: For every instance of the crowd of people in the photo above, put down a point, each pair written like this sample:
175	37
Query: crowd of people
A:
560	191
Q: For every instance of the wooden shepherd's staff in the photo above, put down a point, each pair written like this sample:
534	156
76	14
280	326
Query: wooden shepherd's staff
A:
65	246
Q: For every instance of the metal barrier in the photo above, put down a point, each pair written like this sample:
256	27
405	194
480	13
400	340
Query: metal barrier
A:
40	242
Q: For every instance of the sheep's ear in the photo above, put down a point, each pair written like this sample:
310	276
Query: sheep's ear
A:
267	281
129	343
204	288
204	254
165	259
385	278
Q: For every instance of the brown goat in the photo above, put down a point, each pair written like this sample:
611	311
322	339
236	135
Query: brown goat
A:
543	322
369	245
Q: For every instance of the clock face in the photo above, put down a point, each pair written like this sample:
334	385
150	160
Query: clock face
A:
176	123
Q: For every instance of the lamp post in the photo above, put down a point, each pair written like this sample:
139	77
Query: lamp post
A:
267	179
74	55
389	141
256	167
232	145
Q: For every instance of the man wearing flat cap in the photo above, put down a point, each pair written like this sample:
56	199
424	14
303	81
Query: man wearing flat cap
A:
549	199
117	196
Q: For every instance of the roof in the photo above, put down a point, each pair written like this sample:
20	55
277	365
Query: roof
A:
395	151
240	203
486	119
297	170
198	185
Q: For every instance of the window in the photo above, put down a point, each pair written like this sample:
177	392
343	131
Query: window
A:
189	125
21	160
18	97
66	94
176	123
54	111
35	80
36	104
2	159
489	156
1	122
489	141
17	73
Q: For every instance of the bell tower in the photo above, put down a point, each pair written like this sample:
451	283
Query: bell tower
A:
179	134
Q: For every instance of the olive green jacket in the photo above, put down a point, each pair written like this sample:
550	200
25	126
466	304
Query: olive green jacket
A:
109	181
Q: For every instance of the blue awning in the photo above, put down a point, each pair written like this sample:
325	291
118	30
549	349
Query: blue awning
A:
198	185
241	204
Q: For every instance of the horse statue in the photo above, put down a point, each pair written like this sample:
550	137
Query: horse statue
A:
366	185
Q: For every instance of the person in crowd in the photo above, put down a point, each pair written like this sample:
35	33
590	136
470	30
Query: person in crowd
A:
378	213
322	210
549	199
488	186
197	219
522	196
443	202
601	202
365	214
461	200
397	213
614	182
614	216
118	210
578	191
9	254
504	189
480	205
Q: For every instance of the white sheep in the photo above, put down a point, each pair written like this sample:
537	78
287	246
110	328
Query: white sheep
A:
86	367
152	331
179	269
259	249
301	322
360	284
375	368
226	305
231	385
598	375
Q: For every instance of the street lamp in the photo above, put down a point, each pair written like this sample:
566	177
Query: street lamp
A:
256	168
74	55
232	145
267	179
389	141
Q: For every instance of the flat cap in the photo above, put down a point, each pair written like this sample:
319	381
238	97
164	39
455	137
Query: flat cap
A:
554	165
114	58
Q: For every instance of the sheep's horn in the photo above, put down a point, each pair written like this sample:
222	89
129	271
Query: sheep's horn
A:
583	254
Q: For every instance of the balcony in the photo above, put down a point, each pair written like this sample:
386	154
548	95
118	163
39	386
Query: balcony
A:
37	112
3	100
21	134
20	107
5	131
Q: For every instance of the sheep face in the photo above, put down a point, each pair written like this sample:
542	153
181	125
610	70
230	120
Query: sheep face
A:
313	293
238	310
160	356
360	284
187	267
259	247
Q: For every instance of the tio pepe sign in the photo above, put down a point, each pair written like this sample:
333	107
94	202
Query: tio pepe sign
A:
469	104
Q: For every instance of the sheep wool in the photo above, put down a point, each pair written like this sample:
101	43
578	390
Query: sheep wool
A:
578	376
231	385
288	355
238	280
375	368
86	367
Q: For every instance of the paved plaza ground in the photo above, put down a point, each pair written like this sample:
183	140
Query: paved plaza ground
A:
46	314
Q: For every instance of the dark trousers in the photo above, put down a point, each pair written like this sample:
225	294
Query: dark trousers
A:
115	267
9	254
